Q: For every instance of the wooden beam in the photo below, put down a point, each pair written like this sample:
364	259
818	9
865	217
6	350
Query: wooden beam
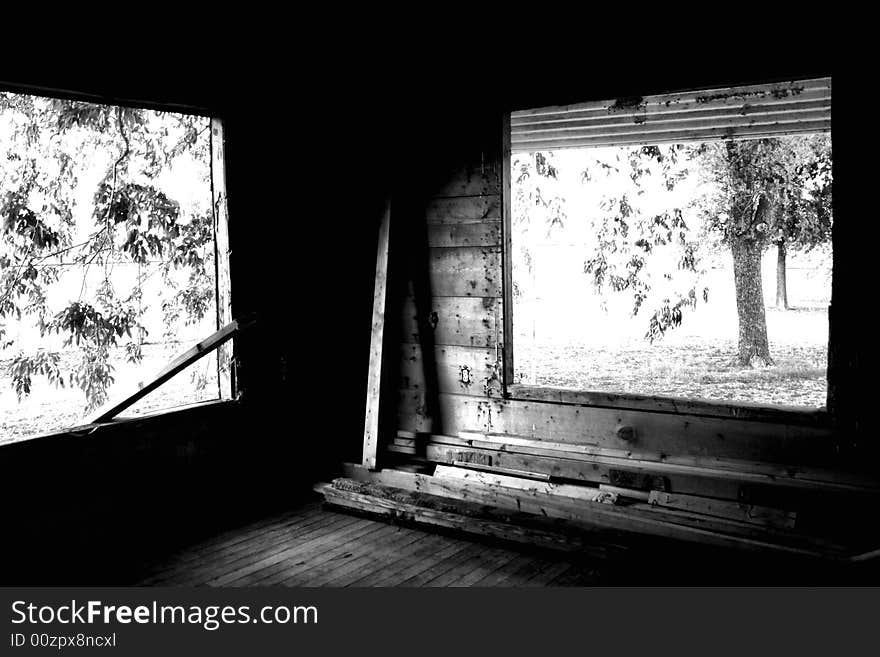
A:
507	376
561	460
659	433
511	480
758	515
374	377
461	516
791	415
222	254
177	365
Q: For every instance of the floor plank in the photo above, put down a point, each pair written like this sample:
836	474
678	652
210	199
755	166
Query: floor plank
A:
225	562
317	546
354	560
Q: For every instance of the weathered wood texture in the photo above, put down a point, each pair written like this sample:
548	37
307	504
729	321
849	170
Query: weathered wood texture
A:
315	546
426	495
465	370
680	405
662	434
466	322
463	209
377	338
472	179
222	254
455	321
461	515
486	233
465	272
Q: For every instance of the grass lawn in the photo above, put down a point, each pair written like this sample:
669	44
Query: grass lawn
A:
48	408
696	366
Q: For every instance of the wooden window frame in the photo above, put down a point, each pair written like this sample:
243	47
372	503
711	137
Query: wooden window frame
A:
226	380
227	386
818	417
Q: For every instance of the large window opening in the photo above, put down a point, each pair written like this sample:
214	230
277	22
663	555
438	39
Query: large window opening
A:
675	246
107	259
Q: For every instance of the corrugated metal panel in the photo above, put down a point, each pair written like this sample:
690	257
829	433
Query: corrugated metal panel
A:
750	111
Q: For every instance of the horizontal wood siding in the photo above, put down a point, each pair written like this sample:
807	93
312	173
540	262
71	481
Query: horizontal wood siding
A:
465	272
472	371
463	209
462	323
474	179
660	434
486	233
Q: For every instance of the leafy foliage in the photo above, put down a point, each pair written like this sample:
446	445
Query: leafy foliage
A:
769	190
50	149
666	210
637	248
23	368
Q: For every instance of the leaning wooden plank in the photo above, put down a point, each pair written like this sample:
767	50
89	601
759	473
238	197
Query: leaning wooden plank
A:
759	515
865	556
452	517
377	336
177	365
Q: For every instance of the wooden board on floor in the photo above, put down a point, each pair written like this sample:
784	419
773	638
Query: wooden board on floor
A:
523	532
530	498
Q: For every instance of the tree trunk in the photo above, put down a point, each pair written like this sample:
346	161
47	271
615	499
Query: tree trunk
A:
781	286
754	349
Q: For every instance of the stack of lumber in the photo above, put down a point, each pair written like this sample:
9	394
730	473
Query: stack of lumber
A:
549	514
581	496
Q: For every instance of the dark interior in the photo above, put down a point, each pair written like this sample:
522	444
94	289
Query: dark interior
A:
93	508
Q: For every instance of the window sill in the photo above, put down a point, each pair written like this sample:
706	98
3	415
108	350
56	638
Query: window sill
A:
676	405
129	420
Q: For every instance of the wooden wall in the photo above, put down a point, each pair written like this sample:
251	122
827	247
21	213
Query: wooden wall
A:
452	322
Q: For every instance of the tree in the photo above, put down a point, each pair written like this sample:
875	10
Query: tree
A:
803	218
538	201
645	244
750	194
51	146
762	192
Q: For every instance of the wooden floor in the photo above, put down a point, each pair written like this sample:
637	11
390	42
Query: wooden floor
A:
317	546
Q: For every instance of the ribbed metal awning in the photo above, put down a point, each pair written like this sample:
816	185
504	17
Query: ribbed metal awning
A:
752	111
